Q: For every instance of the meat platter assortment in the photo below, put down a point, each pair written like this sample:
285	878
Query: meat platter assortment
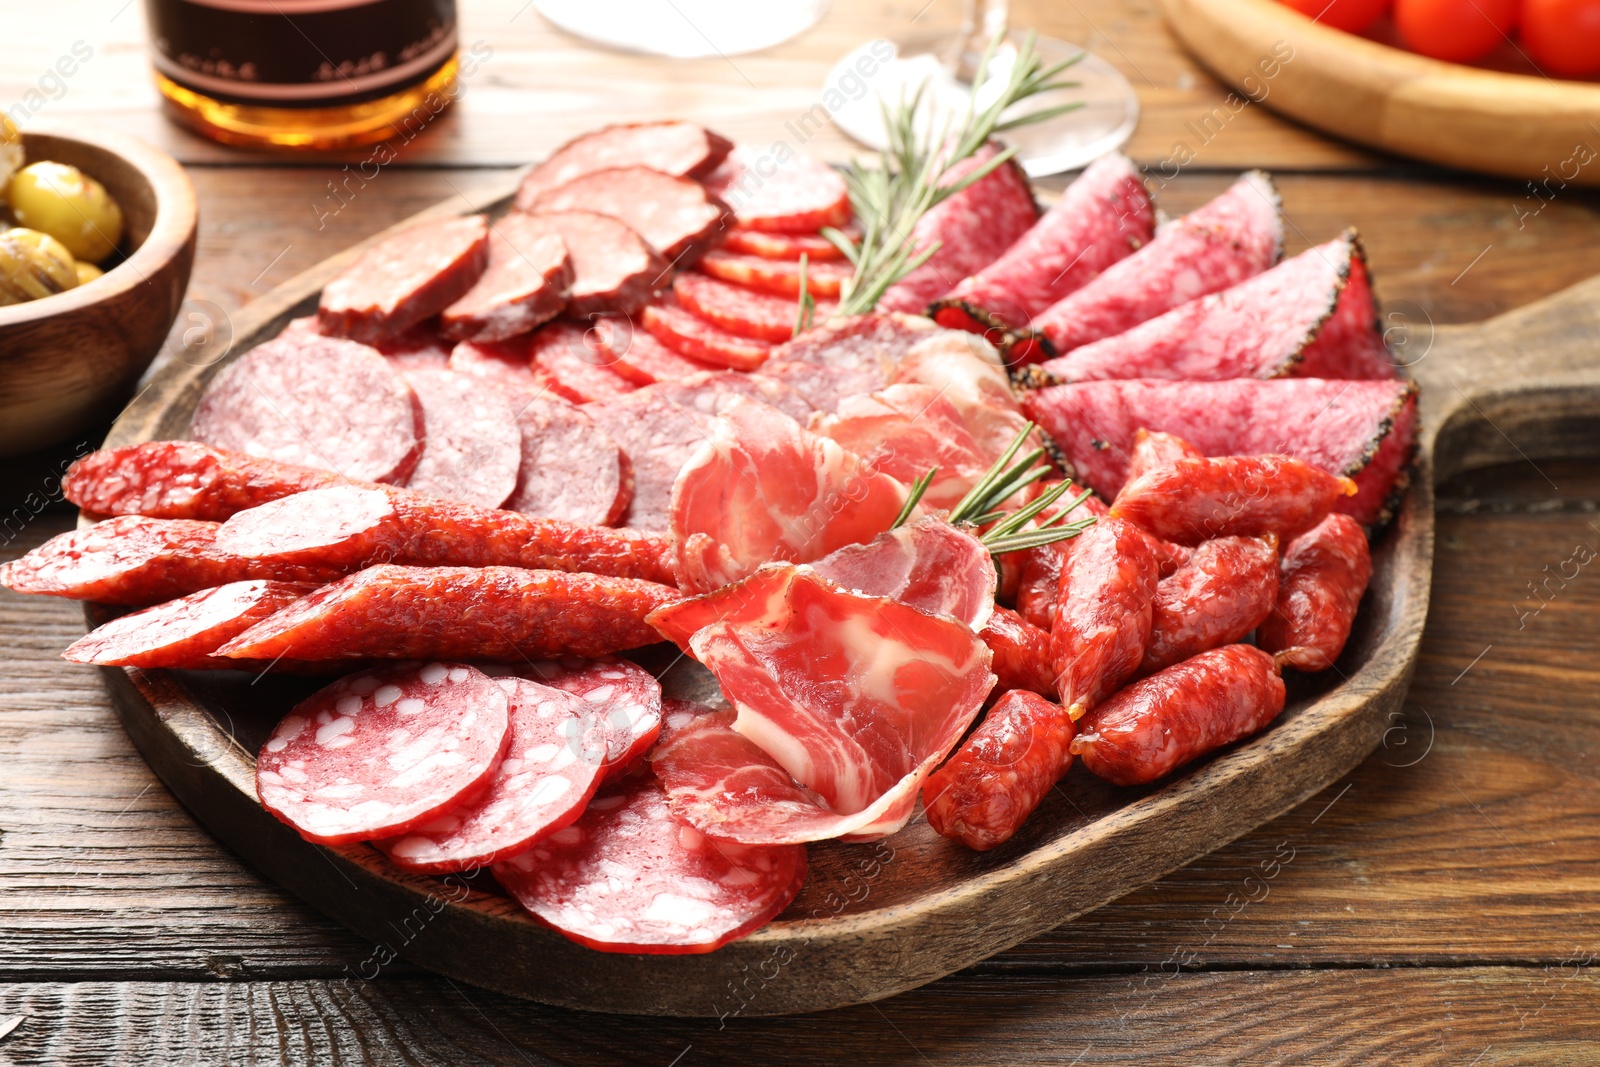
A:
1079	488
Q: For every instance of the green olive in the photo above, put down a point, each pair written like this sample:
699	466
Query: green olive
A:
68	205
87	272
33	265
11	158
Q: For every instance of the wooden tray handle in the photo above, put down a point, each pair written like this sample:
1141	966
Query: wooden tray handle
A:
1523	386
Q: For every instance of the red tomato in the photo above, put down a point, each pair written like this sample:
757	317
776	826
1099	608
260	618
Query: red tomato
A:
1563	36
1455	30
1352	16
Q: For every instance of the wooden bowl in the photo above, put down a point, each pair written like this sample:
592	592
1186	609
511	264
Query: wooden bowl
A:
69	361
1513	125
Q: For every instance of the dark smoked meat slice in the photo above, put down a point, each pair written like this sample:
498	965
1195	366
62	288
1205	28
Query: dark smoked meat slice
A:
676	216
524	285
404	279
677	148
614	270
474	448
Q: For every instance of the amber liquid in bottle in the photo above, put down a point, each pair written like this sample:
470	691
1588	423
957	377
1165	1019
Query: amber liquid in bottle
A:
315	74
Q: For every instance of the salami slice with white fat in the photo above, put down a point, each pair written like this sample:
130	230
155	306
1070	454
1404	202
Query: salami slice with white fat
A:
570	468
318	402
1234	237
675	216
625	697
678	148
502	364
614	270
524	285
383	751
659	428
404	279
551	768
474	448
628	877
798	195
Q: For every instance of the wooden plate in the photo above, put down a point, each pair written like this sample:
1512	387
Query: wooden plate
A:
875	920
1515	125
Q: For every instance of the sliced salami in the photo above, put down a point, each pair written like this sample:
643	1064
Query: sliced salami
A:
678	148
972	229
420	346
875	341
675	216
659	428
791	246
404	279
639	357
1103	216
183	633
383	750
905	431
763	488
1363	430
628	877
1234	237
800	195
317	402
742	311
570	468
824	386
503	364
614	270
474	448
823	280
569	362
693	336
1292	320
623	696
492	613
524	285
550	770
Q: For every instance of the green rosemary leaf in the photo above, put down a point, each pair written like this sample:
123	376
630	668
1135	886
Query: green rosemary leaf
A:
807	310
914	497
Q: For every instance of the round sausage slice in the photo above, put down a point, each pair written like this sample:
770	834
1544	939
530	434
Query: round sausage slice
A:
317	401
549	772
571	469
628	877
676	216
474	451
380	752
613	269
625	695
679	148
404	279
524	285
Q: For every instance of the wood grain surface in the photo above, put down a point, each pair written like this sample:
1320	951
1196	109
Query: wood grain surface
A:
1439	910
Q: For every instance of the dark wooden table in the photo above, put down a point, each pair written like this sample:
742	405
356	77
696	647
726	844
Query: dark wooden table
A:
1442	905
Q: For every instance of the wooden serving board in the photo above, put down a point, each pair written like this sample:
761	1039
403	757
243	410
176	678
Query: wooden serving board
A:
876	919
1517	125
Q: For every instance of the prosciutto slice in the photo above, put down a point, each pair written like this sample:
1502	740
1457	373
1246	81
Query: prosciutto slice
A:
906	430
855	698
966	370
762	487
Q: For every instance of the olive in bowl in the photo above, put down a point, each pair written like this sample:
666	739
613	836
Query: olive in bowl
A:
78	328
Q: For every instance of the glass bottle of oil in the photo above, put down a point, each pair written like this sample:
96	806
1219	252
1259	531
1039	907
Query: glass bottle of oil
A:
313	74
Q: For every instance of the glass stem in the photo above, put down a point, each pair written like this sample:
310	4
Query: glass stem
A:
980	21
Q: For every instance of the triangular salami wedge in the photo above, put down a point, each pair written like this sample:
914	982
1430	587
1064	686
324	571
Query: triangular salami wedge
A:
1104	216
1234	237
1309	317
1362	430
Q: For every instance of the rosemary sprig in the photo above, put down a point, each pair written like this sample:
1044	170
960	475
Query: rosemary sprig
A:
909	176
807	311
981	505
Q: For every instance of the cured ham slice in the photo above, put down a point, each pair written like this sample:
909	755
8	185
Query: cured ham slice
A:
966	370
906	430
1309	317
928	564
628	877
1362	430
854	698
1235	236
1104	215
764	488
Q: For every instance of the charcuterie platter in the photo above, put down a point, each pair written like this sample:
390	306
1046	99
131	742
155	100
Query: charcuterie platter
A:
707	824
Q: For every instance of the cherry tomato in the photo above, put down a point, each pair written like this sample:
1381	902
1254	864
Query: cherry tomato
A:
1455	30
1352	16
1563	36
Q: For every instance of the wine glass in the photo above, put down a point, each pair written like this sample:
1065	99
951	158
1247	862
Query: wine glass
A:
942	63
684	29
